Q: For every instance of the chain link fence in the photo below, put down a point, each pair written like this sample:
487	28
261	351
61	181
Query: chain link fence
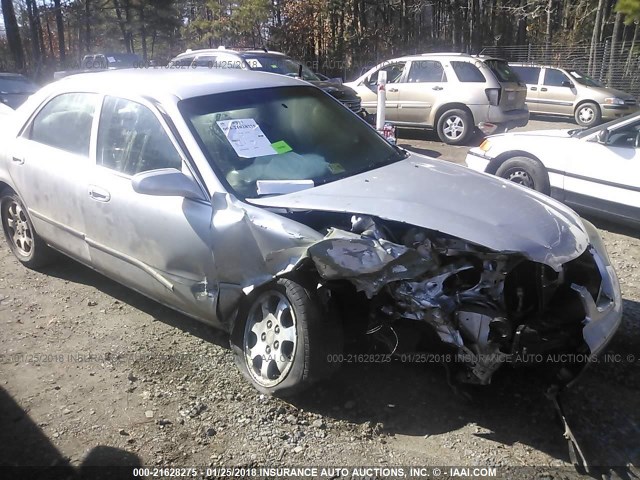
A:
618	69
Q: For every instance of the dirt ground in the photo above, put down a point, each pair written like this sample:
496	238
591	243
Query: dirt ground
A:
93	373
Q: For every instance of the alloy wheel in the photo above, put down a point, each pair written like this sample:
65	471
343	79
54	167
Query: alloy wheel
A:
19	229
270	338
453	127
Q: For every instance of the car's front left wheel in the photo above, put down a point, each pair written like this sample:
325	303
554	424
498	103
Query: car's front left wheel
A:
21	237
284	340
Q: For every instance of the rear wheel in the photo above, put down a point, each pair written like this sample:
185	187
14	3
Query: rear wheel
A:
527	172
283	339
587	114
22	238
455	126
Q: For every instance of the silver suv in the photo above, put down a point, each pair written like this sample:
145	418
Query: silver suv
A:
558	91
452	93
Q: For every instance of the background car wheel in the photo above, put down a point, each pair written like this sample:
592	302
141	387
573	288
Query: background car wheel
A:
455	126
588	114
22	238
527	172
283	339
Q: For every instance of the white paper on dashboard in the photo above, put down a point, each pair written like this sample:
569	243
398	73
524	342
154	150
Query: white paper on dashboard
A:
246	137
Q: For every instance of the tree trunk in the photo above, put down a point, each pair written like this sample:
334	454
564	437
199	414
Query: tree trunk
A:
87	26
613	67
13	34
595	38
143	32
60	28
33	29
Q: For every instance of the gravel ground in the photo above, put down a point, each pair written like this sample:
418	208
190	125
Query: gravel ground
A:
93	373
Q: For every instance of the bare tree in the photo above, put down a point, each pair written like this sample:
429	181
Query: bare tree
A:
13	34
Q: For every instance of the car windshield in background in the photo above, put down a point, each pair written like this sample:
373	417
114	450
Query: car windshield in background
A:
502	71
584	79
17	85
281	65
123	60
283	134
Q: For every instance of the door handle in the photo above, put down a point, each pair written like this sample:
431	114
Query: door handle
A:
18	161
393	90
534	88
437	88
99	194
543	89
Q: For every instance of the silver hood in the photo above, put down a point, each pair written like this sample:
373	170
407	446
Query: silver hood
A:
454	200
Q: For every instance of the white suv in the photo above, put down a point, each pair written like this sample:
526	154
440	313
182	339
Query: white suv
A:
453	93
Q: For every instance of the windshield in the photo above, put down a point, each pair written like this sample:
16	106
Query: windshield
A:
502	71
582	133
123	60
17	85
283	134
583	79
281	65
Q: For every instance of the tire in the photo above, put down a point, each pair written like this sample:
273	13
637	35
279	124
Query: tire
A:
21	237
285	325
527	172
455	126
588	114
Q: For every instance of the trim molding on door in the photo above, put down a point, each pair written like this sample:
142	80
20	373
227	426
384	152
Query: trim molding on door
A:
92	243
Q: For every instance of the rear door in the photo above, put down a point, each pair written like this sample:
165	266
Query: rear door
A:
513	93
606	177
531	77
50	164
424	83
556	95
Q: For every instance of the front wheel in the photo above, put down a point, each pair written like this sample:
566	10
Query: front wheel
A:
527	172
455	126
284	340
587	114
22	238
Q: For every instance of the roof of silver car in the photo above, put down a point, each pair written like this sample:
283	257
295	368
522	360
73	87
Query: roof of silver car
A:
182	83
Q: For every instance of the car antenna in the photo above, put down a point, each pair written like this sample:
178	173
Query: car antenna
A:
300	71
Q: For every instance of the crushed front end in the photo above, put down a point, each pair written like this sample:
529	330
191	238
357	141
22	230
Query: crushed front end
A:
490	307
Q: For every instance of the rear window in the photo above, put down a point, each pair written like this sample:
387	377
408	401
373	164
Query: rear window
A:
502	71
528	75
468	72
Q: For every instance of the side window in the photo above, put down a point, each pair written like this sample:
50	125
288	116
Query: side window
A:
426	71
394	73
554	78
529	75
65	123
204	61
131	139
468	72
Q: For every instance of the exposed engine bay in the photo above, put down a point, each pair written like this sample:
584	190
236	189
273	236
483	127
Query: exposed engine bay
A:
490	307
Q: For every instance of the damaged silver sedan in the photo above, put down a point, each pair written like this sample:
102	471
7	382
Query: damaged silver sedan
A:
260	205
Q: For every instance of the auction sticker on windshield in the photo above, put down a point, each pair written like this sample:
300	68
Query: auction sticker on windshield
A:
246	137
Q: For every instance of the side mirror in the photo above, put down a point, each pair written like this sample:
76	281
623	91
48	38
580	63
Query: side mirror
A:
603	136
567	83
166	182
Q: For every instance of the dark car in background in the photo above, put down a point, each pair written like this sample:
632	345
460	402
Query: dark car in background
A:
15	89
268	61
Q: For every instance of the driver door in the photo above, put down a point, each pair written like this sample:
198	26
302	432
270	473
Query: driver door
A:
158	245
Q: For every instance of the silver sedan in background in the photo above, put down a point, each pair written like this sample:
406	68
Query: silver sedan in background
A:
260	205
